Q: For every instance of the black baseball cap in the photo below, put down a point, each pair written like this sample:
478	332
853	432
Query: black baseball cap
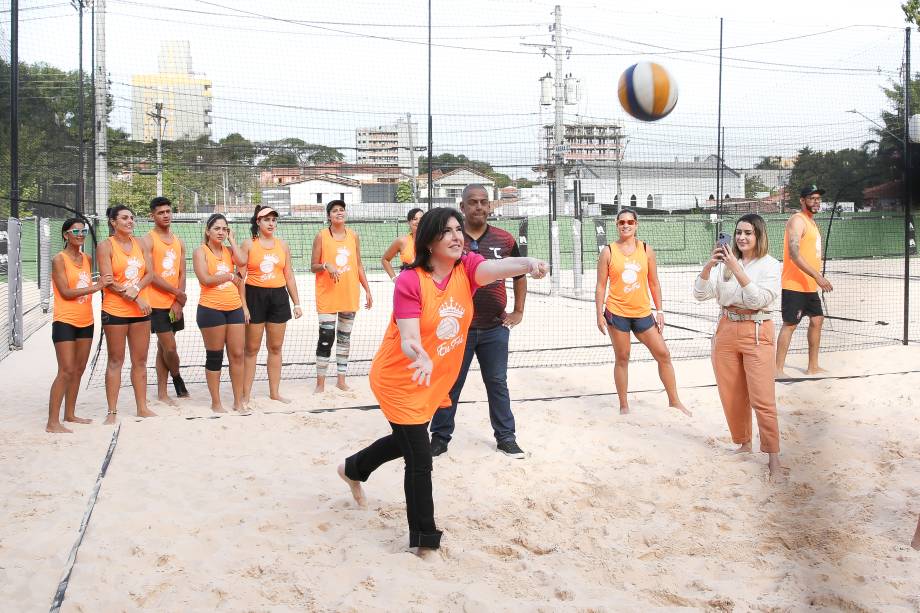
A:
808	190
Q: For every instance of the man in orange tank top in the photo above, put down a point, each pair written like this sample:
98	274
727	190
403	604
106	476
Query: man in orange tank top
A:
801	279
166	294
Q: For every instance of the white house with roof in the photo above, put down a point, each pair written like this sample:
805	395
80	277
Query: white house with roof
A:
322	189
451	184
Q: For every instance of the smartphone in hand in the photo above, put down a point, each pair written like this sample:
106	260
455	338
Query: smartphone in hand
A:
723	239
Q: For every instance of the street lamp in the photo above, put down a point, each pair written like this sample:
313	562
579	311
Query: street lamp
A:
878	125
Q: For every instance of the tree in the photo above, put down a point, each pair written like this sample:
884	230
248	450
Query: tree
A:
752	185
911	10
844	174
523	182
296	152
447	162
769	162
888	141
404	192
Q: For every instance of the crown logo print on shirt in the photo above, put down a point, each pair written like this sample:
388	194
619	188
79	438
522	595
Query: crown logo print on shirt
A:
451	309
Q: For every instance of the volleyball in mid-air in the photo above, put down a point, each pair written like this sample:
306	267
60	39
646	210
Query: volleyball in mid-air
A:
647	91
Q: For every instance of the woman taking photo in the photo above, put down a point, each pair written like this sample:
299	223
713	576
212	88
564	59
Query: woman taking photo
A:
269	282
126	270
745	281
403	245
220	309
420	357
336	262
628	264
72	328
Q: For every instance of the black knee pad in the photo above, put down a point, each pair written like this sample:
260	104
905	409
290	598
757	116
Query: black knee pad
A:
324	345
214	360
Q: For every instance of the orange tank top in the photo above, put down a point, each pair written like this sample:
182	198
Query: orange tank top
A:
444	322
810	250
166	265
628	282
127	269
79	311
407	253
223	297
265	267
341	296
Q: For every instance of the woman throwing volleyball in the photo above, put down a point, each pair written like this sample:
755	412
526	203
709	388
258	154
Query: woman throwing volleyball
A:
628	264
220	309
420	357
404	245
745	281
72	328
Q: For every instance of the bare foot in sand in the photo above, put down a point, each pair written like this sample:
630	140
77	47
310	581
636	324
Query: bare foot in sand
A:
916	542
744	448
624	410
77	420
110	419
424	553
281	399
815	370
342	385
680	407
778	472
167	400
218	409
57	428
146	413
320	385
357	492
780	374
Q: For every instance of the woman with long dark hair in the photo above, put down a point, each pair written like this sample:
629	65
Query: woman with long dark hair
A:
420	357
220	308
72	328
126	270
269	282
629	266
744	279
403	245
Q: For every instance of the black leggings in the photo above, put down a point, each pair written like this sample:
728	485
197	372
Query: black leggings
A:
411	443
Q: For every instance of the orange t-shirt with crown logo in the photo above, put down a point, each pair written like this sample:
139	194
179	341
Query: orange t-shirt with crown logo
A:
79	311
628	281
445	319
810	249
223	297
340	296
265	267
127	269
407	253
166	265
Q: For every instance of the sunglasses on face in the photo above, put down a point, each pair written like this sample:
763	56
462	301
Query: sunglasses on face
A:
78	231
626	222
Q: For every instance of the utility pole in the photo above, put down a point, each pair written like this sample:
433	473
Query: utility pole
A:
160	119
412	181
14	109
100	87
81	141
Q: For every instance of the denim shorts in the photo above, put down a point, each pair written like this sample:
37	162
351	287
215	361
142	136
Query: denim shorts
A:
627	324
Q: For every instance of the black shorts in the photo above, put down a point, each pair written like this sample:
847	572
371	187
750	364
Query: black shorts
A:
206	317
797	305
160	322
626	324
267	304
62	332
114	320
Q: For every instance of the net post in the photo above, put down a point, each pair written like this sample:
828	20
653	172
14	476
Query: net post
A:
14	282
44	262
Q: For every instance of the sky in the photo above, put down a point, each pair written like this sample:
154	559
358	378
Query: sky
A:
318	70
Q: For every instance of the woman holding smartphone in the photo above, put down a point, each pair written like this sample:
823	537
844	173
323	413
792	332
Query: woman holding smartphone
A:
745	281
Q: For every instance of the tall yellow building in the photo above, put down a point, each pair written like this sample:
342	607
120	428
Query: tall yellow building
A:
186	97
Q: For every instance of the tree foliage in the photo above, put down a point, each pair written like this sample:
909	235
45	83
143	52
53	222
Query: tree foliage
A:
447	162
752	185
403	192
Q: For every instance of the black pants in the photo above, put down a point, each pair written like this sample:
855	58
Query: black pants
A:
410	443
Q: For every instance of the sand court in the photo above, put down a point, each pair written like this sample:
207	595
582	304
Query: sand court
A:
608	512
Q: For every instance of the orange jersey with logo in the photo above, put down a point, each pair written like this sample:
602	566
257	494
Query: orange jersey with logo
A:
628	282
265	267
223	297
127	269
407	253
444	323
810	251
166	262
79	311
341	296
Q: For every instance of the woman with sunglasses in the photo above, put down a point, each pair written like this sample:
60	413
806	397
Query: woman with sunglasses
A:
126	270
628	265
269	282
220	309
72	328
403	245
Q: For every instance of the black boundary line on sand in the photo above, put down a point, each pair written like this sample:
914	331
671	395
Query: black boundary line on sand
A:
84	523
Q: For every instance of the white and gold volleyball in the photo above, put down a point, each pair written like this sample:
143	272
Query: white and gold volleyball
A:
647	91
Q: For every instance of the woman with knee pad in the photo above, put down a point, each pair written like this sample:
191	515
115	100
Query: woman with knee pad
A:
72	328
269	282
337	264
220	308
126	270
629	266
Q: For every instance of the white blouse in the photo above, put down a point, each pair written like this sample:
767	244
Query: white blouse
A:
760	294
